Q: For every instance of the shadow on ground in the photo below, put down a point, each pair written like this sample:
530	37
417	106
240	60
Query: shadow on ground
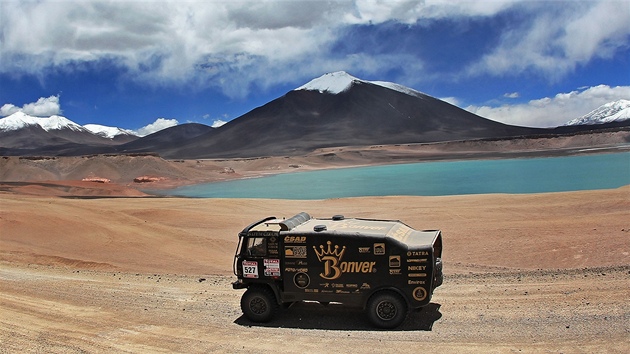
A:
312	315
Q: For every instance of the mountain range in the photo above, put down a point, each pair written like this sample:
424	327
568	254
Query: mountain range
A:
616	111
335	109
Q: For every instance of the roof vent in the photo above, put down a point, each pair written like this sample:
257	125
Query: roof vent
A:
319	228
338	217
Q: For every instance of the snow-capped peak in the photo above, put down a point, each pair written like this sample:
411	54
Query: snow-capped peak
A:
19	120
616	111
341	81
107	132
333	83
56	122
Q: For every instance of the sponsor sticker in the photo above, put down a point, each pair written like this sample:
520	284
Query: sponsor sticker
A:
394	261
379	249
419	293
301	280
295	251
272	267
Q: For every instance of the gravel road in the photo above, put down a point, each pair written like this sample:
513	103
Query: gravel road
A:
65	310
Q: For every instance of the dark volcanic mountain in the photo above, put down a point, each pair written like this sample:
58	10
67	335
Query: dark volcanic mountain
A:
336	109
339	110
165	140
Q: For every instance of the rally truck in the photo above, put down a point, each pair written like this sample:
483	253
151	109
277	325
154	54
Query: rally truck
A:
382	266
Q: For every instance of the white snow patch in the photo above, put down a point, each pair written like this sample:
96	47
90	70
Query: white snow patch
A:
19	120
616	111
341	81
15	121
399	88
333	83
107	132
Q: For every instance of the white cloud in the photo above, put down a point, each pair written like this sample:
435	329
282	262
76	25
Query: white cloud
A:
166	42
409	11
560	37
553	111
452	100
217	123
44	107
159	124
238	45
8	109
511	95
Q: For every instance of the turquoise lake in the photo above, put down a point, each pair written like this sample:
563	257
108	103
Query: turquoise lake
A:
523	175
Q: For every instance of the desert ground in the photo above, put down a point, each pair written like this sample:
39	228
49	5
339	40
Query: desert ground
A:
524	273
102	267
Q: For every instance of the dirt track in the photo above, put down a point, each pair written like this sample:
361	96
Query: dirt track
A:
63	310
524	273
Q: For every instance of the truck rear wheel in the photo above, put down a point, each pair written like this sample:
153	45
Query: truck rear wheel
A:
386	309
259	304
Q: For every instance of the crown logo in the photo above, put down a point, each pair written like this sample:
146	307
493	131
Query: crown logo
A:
323	252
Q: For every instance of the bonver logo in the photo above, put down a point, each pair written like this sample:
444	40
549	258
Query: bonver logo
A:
334	267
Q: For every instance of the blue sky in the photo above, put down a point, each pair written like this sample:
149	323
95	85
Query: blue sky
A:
144	65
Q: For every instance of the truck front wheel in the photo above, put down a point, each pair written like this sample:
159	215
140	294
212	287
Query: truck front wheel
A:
386	309
259	304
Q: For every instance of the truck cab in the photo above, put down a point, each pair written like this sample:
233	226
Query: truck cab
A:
382	266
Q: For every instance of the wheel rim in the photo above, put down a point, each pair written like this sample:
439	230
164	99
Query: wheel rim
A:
258	306
386	310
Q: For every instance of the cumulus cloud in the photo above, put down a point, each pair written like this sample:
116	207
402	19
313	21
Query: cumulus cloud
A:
511	95
159	124
43	107
237	46
553	111
8	109
554	38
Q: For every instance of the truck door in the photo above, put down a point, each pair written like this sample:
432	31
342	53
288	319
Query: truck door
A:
259	258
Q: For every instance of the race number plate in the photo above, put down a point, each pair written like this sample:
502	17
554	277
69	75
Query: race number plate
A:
250	269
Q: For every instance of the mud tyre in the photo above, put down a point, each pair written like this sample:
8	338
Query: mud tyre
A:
386	309
259	304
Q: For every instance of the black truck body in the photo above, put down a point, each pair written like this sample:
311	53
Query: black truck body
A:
383	266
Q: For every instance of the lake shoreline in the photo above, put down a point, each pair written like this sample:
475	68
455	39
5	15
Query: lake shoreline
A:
131	175
567	172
